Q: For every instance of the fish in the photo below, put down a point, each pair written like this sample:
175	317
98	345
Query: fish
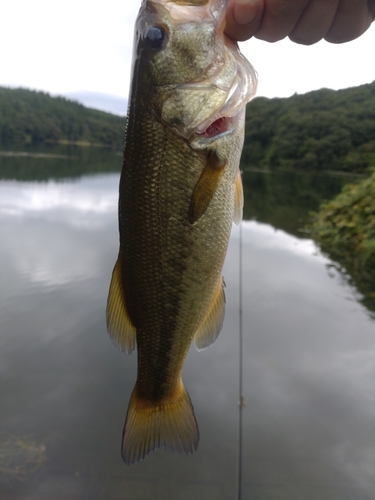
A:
180	189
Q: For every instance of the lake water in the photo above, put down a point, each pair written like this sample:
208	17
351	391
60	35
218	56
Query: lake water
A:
309	351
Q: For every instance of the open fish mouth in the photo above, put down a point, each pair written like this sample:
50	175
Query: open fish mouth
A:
220	127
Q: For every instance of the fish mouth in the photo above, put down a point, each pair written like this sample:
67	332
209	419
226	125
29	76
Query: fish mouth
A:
220	127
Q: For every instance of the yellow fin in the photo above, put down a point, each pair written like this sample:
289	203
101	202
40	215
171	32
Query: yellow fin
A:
238	200
210	327
169	424
206	186
120	328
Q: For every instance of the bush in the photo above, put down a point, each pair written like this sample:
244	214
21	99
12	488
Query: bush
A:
345	230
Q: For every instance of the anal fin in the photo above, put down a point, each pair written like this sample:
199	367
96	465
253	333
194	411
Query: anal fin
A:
212	323
120	328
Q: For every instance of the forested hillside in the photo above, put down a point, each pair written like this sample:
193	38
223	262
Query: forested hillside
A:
29	117
320	130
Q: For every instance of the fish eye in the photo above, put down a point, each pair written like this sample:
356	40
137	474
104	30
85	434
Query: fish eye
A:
155	36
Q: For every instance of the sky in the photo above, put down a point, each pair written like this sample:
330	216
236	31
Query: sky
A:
83	50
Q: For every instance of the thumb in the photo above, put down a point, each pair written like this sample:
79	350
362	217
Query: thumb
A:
243	18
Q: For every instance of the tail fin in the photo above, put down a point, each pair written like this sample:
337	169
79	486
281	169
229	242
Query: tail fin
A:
168	424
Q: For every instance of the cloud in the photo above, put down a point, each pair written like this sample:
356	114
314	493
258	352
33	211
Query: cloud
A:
84	46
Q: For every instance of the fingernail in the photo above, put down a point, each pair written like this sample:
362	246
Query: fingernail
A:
245	11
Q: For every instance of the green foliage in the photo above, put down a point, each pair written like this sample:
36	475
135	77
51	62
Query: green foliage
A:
29	117
320	130
345	229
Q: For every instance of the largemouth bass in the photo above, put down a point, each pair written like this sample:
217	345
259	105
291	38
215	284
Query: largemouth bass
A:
180	190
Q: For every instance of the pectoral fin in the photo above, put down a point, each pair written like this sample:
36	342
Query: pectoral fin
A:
120	328
210	327
238	199
206	186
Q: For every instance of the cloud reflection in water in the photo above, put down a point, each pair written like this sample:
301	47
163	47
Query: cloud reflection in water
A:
41	219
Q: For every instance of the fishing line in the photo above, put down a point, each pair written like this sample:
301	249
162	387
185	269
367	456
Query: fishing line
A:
241	399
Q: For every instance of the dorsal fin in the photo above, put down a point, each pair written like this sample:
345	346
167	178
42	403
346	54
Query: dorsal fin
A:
120	328
238	199
211	325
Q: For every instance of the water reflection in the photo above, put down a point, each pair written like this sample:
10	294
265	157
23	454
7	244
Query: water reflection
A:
285	199
310	369
309	352
82	200
56	162
39	220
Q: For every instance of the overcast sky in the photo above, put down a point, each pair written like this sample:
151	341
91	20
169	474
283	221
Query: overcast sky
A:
77	45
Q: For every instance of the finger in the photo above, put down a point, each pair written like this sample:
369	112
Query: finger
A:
371	6
315	22
353	18
243	18
279	19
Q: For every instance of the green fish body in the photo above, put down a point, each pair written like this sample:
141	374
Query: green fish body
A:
180	190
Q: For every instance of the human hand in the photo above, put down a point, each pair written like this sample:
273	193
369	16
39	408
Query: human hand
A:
303	21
